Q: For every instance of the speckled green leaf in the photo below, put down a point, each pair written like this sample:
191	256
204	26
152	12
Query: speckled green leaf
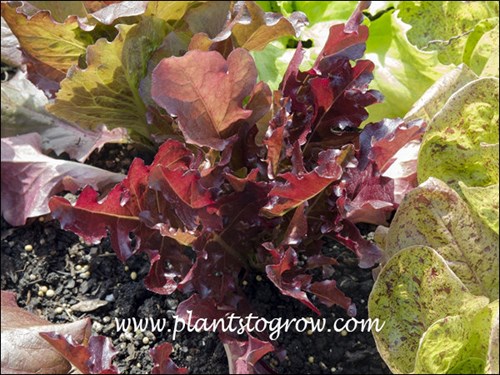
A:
461	142
444	26
458	343
434	215
106	92
484	201
415	289
492	366
469	366
484	58
438	94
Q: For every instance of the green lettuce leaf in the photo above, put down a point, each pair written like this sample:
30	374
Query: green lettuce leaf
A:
438	94
319	11
434	215
415	289
465	136
445	26
484	201
107	91
403	72
457	344
58	45
484	57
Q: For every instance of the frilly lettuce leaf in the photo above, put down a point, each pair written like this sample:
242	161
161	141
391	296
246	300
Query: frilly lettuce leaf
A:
403	72
445	26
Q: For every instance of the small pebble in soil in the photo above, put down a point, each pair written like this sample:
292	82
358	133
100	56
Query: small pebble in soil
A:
32	277
126	268
343	333
333	369
58	310
133	275
310	359
258	278
78	267
43	289
28	247
85	275
106	319
244	283
145	340
50	293
97	327
40	293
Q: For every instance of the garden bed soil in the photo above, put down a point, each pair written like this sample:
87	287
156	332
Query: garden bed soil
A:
76	272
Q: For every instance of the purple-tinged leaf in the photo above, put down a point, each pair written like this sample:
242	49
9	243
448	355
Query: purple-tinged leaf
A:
92	356
29	178
110	13
23	350
367	252
194	308
243	356
298	189
297	228
162	363
328	294
289	286
92	219
344	45
23	111
249	27
352	25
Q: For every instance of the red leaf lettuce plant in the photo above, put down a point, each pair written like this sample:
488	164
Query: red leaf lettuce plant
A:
245	178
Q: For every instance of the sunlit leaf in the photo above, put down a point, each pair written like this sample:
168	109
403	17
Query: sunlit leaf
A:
107	91
434	215
465	136
415	289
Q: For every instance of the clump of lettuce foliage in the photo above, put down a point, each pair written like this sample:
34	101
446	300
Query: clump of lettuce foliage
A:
438	291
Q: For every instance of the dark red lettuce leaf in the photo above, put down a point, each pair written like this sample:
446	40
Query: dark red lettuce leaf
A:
244	356
136	215
328	294
162	363
300	187
372	191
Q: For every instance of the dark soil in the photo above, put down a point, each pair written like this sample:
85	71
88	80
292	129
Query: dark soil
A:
77	272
